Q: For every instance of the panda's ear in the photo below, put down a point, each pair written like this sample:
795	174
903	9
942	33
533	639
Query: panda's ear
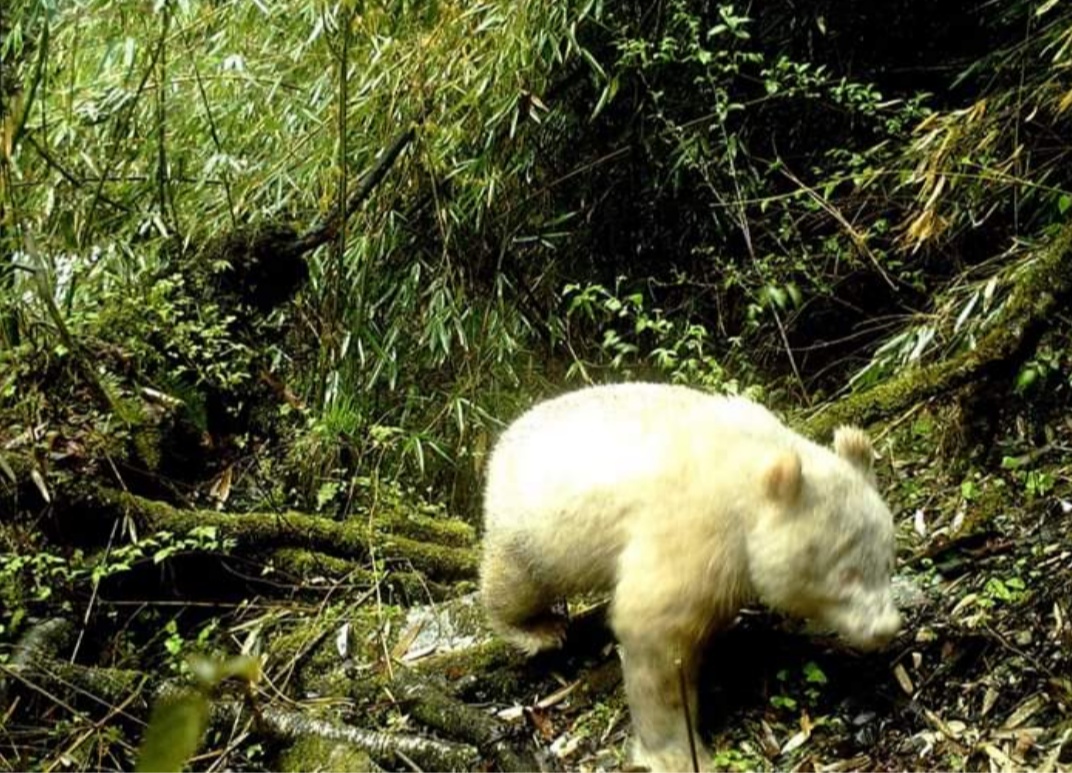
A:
854	446
783	478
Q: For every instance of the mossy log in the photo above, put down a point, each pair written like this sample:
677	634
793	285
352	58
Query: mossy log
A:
1043	283
431	704
315	754
44	640
72	684
443	553
411	587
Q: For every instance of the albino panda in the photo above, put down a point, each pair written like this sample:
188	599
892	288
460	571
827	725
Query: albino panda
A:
684	506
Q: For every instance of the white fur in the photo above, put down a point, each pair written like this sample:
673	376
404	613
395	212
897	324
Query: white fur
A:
685	506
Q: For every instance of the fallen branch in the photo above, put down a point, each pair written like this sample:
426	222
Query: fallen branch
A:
96	508
68	684
1043	285
410	587
430	704
391	750
325	231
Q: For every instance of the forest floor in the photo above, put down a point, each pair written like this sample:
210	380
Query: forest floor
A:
371	640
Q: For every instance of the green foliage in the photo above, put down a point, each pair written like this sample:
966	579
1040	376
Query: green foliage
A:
709	134
988	166
1036	483
27	579
179	719
737	760
185	654
641	342
429	312
783	702
809	683
169	330
1050	367
687	192
780	700
1011	590
980	162
738	184
31	578
183	122
159	547
962	315
813	674
325	452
